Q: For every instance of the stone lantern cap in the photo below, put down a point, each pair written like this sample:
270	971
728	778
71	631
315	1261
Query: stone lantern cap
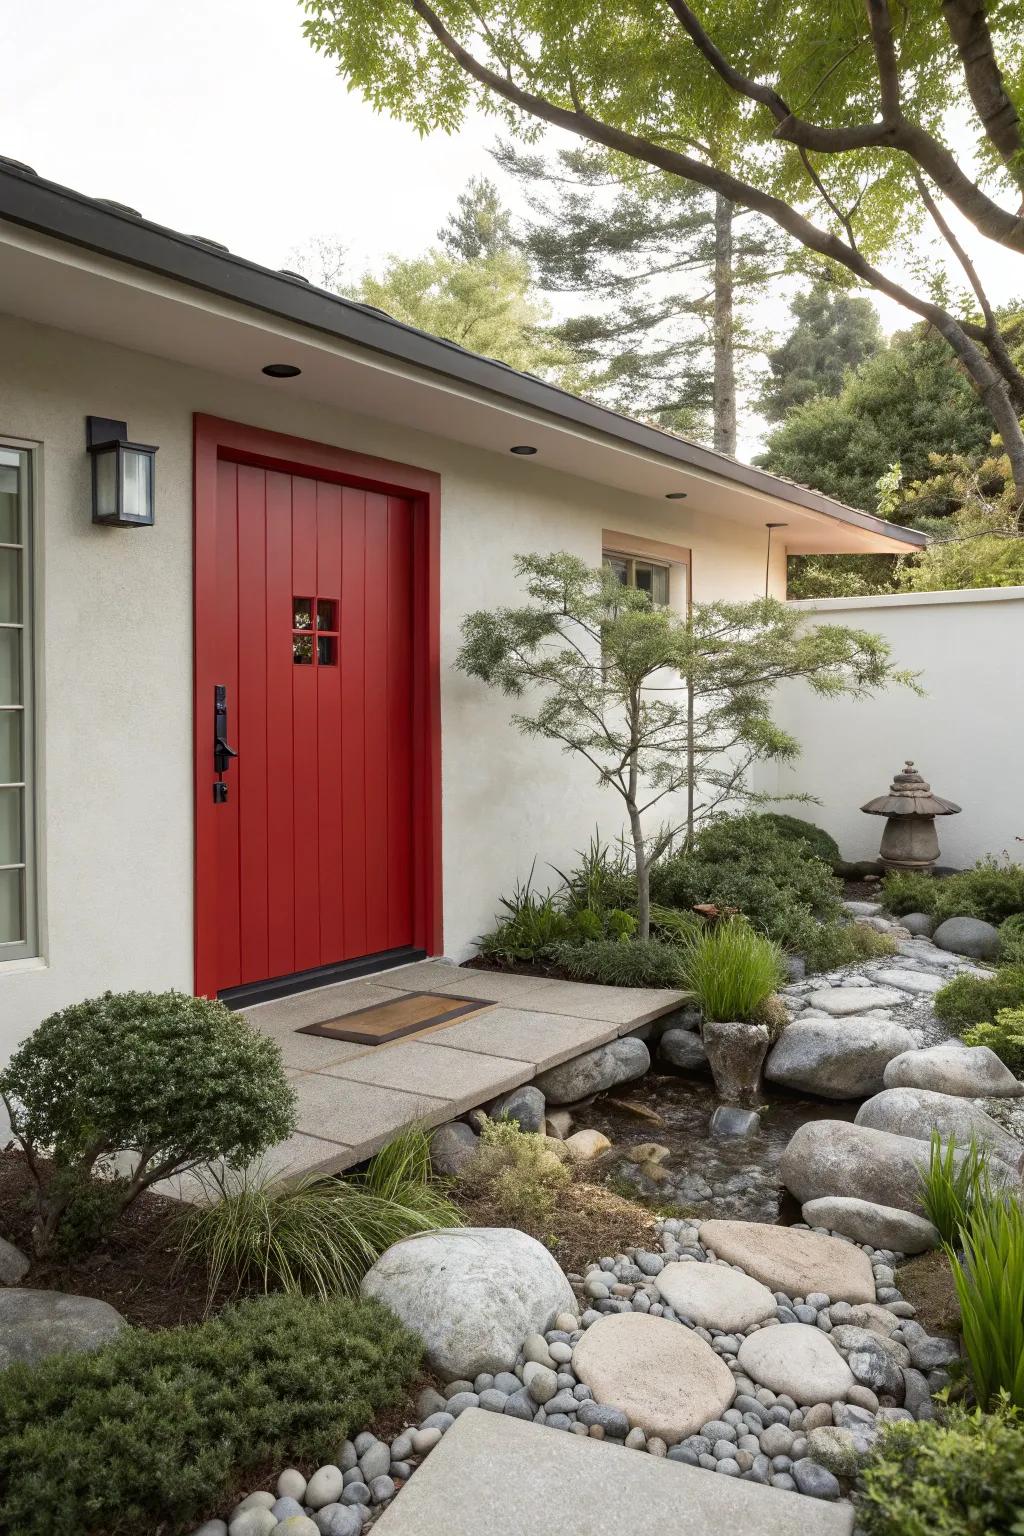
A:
910	795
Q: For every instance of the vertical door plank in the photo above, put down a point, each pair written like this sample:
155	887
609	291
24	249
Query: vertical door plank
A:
229	961
280	792
400	694
304	744
248	722
375	714
328	761
353	766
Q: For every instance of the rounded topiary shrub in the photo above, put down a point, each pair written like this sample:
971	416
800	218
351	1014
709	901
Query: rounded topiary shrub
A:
796	830
137	1086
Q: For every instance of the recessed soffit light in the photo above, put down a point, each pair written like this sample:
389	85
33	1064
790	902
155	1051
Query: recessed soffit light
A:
524	449
282	371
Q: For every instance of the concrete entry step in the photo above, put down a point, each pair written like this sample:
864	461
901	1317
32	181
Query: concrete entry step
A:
509	1478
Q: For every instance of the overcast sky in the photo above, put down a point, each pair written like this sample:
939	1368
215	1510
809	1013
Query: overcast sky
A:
217	118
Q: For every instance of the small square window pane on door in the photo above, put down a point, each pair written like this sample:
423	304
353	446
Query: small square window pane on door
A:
302	614
326	613
327	650
302	650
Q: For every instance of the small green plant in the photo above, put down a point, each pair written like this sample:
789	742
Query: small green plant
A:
827	946
161	1430
161	1081
990	1288
991	890
732	970
670	924
612	963
969	1000
904	892
532	924
961	1476
314	1234
1011	939
1005	1036
516	1172
820	842
954	1187
602	881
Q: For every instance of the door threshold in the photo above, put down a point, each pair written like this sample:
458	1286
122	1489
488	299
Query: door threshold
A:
254	992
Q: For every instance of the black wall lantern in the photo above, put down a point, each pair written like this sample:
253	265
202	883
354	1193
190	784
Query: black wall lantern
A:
123	475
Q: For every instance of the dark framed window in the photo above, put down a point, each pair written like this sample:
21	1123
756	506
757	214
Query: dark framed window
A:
18	918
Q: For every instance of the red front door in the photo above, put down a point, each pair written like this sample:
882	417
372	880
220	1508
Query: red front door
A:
314	836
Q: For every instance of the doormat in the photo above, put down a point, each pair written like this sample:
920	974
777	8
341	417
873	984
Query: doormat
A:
407	1015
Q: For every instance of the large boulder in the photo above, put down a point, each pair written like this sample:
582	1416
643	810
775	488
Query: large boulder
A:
836	1058
14	1266
791	1260
595	1071
736	1053
920	924
664	1378
918	1112
472	1294
525	1105
34	1324
968	936
797	1360
832	1157
972	1071
862	1221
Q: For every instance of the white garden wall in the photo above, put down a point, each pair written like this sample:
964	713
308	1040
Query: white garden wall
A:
966	733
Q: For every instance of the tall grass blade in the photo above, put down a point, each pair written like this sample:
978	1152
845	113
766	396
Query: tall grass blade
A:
989	1283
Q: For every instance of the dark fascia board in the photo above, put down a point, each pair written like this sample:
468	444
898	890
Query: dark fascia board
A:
116	231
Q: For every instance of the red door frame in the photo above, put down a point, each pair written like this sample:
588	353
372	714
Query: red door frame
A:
217	439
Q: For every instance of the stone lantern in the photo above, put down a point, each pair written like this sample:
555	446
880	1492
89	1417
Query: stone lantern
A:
909	840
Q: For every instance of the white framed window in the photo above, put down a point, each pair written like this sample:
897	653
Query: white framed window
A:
18	918
646	575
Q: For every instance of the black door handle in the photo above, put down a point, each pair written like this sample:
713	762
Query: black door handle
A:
222	752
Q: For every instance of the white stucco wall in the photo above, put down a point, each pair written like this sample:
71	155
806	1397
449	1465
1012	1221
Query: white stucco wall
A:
965	734
115	655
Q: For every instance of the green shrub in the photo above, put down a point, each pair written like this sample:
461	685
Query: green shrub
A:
532	925
961	1477
159	1430
731	969
602	881
516	1171
1005	1036
745	862
990	1289
315	1234
827	946
169	1080
969	1000
953	1188
613	963
1011	939
821	843
990	890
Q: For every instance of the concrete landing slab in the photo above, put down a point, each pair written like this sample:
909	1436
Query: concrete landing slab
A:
501	1475
545	1039
319	1003
367	1115
463	1078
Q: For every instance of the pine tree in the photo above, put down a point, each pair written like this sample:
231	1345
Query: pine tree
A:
670	277
835	331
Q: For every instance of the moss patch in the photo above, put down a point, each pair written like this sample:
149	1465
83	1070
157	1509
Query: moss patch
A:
927	1283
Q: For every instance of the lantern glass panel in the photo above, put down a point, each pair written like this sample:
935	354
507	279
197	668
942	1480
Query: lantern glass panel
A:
138	485
105	472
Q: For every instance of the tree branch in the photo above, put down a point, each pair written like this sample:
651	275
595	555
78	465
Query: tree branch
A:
968	27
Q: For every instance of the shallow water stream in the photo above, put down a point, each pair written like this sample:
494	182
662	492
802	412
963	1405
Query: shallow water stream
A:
735	1177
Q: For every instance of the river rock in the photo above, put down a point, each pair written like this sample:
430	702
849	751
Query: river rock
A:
923	983
970	1071
587	1144
798	1360
452	1148
14	1266
920	924
840	1002
832	1157
684	1049
862	1221
594	1071
472	1294
34	1324
736	1053
968	936
791	1260
664	1378
525	1105
918	1112
715	1296
836	1058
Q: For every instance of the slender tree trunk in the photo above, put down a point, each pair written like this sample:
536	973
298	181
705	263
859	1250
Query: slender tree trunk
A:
724	402
643	874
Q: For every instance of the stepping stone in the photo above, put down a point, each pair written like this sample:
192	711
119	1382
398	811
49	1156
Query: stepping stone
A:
911	981
495	1473
796	1359
837	1058
665	1379
970	1071
791	1260
863	1221
716	1296
838	1001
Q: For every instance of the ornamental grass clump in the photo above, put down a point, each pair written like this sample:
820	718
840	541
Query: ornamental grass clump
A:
159	1431
989	1279
162	1082
314	1234
953	1187
731	970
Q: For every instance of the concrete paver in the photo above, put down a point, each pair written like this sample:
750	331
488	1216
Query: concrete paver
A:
366	1114
463	1078
545	1039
